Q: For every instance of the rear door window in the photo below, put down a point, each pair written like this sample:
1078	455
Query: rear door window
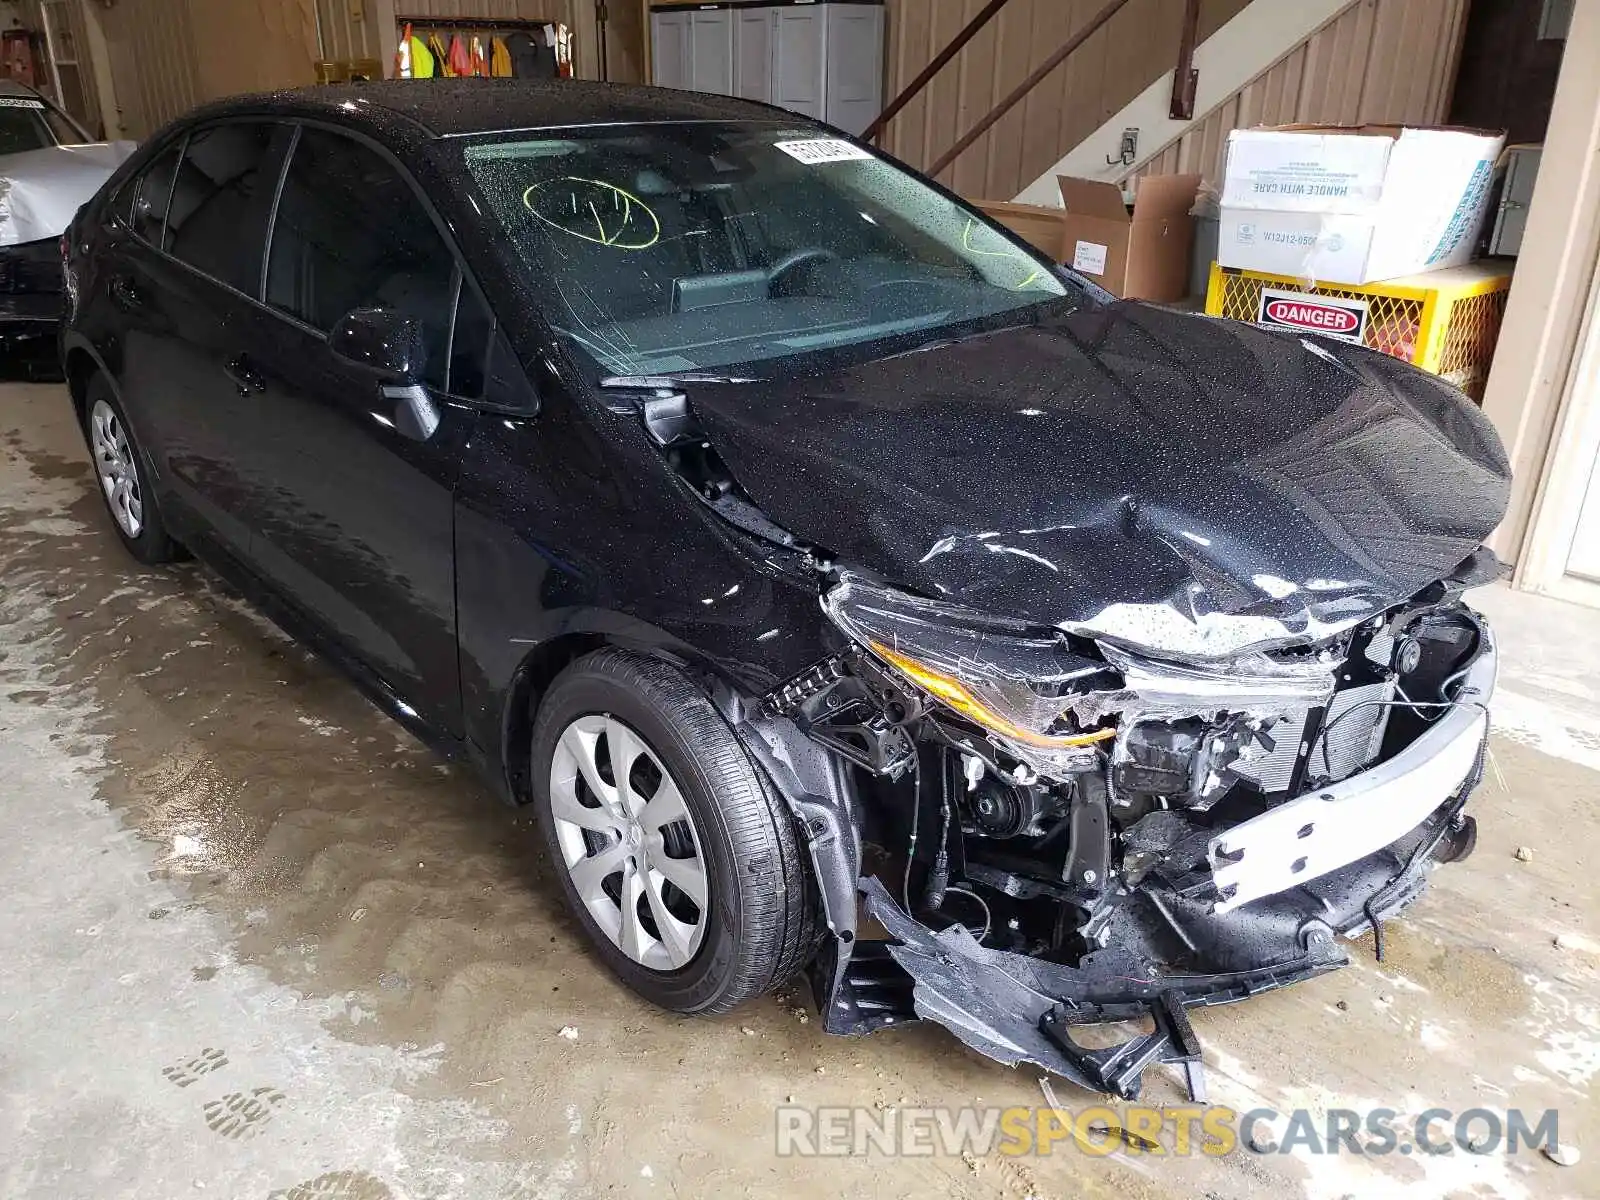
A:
218	219
350	233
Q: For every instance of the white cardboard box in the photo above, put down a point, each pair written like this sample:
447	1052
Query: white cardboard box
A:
1346	205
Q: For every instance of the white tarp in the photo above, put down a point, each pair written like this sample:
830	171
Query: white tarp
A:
42	190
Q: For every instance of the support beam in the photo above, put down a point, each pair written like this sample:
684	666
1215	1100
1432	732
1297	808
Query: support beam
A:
1027	85
910	91
1186	80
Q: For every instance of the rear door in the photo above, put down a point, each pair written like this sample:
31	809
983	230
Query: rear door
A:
354	518
183	276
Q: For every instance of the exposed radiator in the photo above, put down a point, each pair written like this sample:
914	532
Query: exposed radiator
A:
1349	744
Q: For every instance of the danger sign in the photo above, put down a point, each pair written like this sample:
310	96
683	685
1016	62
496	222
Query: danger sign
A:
1331	316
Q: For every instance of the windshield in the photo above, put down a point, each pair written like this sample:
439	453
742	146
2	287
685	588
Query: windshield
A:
30	125
672	248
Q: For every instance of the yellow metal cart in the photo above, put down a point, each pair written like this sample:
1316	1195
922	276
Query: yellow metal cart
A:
1444	321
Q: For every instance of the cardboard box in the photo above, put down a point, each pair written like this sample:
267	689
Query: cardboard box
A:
1140	255
1339	204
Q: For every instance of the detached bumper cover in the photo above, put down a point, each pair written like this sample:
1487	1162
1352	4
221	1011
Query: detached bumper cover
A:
1017	1009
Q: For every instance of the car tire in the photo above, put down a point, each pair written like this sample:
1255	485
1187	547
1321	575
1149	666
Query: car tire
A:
757	926
123	478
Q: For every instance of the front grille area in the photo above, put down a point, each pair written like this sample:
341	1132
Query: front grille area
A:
30	269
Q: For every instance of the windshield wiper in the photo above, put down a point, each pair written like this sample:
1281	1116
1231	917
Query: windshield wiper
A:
651	382
941	343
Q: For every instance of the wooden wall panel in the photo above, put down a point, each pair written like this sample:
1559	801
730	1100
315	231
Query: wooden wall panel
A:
1381	61
1136	47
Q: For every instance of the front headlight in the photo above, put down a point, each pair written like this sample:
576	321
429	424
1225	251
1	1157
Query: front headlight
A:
1010	679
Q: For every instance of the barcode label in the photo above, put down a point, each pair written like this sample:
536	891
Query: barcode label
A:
822	150
19	102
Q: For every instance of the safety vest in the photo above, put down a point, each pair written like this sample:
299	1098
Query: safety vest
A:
411	57
441	57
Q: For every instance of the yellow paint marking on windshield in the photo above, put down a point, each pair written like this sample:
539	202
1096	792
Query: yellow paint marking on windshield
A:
966	243
570	203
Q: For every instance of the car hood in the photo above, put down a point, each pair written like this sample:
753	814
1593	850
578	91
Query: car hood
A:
1184	485
42	190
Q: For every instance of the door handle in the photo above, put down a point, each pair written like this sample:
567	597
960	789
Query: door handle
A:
244	376
125	293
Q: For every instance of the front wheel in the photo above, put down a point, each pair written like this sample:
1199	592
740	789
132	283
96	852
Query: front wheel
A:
682	865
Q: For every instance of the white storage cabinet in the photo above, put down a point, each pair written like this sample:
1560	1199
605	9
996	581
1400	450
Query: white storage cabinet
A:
823	60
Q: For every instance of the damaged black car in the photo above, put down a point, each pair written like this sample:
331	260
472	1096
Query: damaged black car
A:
847	588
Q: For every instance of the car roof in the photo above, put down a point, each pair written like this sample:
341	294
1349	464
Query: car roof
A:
10	87
440	108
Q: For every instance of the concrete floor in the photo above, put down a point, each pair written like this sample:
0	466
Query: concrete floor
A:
258	943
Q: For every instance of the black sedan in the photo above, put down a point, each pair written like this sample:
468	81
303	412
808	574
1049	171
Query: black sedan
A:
742	501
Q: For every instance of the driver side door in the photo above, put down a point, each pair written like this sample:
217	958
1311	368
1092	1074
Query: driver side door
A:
353	504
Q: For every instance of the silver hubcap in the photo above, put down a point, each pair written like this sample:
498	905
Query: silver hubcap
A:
113	462
628	842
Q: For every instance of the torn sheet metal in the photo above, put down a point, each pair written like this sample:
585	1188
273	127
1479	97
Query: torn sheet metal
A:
42	190
1192	487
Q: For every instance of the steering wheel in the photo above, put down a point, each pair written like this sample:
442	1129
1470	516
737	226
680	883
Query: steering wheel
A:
797	258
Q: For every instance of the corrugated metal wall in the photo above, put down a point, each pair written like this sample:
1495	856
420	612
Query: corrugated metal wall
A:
1378	61
253	45
1135	47
169	55
155	65
344	36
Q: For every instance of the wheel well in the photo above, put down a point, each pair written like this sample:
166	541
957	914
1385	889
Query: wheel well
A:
528	686
81	368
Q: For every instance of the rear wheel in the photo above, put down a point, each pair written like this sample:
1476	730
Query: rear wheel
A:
681	863
119	471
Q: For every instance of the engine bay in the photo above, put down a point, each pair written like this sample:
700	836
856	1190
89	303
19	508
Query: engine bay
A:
1099	867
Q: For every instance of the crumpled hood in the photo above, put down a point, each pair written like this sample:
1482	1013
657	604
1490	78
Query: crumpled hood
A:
42	190
1182	484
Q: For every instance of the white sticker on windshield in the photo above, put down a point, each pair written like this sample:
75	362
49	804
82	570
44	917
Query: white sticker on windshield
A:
1090	258
822	150
19	102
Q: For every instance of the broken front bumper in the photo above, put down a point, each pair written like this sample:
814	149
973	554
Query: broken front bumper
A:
1334	826
1333	863
29	325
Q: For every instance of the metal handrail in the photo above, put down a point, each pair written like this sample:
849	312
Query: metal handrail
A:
1026	86
911	89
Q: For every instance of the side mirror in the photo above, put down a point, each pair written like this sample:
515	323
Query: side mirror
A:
387	343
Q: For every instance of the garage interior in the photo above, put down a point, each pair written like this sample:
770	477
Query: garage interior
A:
262	943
